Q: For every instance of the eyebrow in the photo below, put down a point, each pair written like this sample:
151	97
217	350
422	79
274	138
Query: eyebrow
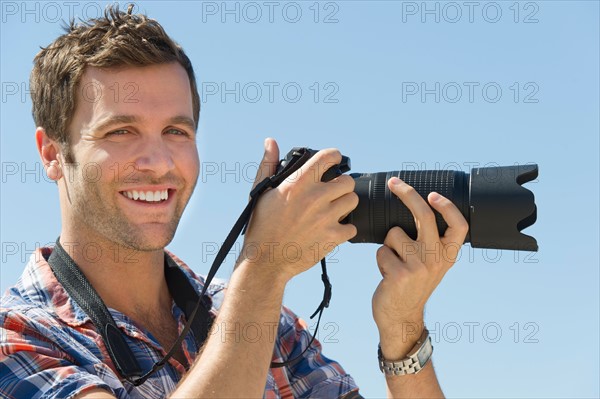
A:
183	120
123	119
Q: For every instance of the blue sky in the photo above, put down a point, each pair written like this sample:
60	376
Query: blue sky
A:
393	85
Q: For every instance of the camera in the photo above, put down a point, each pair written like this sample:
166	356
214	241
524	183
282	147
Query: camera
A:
492	200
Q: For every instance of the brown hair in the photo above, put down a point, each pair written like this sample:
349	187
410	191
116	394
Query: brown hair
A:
118	39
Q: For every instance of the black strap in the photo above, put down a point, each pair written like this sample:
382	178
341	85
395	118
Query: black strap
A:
299	158
324	304
81	291
186	297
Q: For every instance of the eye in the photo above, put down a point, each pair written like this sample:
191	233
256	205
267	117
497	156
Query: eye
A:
120	132
177	132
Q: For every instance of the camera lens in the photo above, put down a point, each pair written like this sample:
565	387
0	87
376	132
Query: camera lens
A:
492	201
379	209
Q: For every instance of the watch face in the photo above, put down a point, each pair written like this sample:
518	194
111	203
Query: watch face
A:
425	353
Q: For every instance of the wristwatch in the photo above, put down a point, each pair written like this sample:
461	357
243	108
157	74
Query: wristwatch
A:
414	362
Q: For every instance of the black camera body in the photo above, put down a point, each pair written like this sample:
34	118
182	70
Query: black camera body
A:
492	200
299	155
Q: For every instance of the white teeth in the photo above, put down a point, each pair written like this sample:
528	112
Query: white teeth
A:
148	196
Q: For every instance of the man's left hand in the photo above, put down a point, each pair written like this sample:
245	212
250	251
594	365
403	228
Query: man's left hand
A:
412	269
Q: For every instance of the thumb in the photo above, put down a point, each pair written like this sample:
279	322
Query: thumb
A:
269	162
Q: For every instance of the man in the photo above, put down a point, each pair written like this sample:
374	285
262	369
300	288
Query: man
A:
143	148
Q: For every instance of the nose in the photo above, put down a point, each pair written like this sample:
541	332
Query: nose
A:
155	156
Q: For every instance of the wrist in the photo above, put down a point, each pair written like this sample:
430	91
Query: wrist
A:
412	363
397	340
260	273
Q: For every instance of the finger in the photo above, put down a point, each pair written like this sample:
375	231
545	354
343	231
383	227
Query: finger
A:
269	162
322	161
338	187
401	243
424	217
457	224
387	261
345	232
345	204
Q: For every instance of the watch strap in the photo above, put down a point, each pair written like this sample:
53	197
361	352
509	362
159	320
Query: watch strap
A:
417	358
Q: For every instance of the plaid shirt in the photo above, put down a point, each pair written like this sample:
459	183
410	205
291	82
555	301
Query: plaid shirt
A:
50	349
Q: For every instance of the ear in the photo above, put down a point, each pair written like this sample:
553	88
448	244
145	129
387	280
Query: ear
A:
49	153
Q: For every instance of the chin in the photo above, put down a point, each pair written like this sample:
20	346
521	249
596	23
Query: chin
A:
156	243
148	242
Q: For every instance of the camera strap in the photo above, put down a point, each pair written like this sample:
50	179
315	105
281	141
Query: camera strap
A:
70	276
298	158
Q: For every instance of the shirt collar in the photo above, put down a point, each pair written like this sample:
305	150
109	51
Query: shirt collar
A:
40	286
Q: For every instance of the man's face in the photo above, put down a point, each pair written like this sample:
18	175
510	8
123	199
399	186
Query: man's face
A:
136	161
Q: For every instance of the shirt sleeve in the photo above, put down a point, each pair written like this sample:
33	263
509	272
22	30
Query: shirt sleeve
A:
315	375
31	366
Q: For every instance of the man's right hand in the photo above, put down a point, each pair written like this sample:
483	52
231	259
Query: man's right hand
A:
296	224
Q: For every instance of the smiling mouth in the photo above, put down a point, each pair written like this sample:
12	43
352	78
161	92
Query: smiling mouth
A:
147	196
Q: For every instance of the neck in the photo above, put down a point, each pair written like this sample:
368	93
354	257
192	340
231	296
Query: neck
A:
127	280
